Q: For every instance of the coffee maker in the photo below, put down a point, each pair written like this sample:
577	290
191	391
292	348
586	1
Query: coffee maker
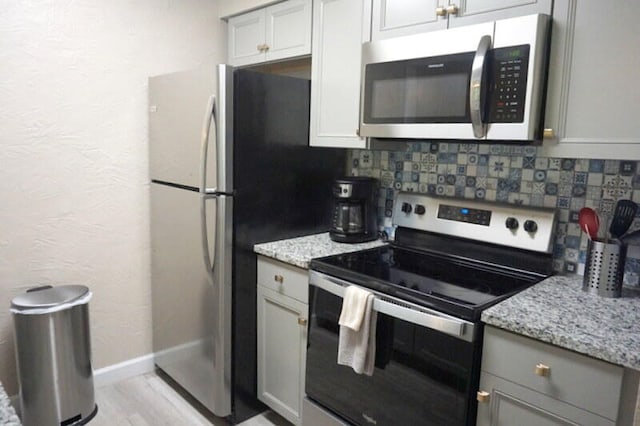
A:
355	218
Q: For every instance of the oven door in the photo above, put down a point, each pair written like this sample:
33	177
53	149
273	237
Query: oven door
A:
422	375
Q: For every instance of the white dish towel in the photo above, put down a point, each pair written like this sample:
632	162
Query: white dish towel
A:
357	342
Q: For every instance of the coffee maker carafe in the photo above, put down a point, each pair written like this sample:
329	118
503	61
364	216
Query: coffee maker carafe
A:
355	201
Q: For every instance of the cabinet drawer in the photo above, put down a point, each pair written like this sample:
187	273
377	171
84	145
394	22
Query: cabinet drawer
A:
512	404
576	379
283	278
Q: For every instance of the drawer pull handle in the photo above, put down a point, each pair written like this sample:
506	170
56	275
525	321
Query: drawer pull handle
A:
278	279
483	397
302	321
542	370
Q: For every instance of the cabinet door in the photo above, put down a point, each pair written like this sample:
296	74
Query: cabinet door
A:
288	30
339	28
282	344
246	38
592	100
512	404
471	12
394	18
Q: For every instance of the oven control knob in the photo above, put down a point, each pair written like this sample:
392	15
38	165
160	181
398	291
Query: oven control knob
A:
419	209
530	226
511	223
406	207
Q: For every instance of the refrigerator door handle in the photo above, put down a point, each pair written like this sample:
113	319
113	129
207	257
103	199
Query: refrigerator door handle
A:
209	264
209	117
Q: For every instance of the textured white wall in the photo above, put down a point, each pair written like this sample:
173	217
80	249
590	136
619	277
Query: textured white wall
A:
73	152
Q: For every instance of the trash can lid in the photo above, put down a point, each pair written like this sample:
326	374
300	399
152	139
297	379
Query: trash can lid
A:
48	297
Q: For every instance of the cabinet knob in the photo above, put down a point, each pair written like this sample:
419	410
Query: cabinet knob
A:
542	370
441	11
548	134
302	321
263	47
278	279
452	9
483	397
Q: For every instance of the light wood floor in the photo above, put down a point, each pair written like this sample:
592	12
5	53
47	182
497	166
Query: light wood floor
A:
148	400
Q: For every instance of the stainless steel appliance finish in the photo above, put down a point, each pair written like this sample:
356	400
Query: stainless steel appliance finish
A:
355	214
401	309
450	259
242	175
53	353
482	81
527	228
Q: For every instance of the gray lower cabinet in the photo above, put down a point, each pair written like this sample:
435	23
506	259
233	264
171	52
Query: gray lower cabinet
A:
526	382
512	404
282	337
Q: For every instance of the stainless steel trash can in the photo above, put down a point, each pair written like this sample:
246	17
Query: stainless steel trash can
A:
53	353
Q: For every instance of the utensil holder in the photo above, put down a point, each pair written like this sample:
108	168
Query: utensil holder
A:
604	268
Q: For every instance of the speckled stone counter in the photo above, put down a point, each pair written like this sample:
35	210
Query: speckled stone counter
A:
8	415
557	311
299	251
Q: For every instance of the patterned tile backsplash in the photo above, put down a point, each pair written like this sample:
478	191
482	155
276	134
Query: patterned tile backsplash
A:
511	174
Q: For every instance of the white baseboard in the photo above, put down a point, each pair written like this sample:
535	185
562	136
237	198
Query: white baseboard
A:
123	370
111	374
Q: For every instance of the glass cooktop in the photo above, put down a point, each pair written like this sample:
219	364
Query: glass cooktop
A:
458	287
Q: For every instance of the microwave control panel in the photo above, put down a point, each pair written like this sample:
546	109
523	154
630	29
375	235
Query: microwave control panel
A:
508	77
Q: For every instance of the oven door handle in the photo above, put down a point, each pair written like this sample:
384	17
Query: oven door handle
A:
397	308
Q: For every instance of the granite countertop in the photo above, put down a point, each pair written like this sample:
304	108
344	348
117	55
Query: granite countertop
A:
8	415
299	251
557	311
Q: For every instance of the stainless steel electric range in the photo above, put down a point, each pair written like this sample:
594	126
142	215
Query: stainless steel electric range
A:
450	259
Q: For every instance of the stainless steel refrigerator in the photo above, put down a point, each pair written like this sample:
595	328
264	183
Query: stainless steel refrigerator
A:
230	167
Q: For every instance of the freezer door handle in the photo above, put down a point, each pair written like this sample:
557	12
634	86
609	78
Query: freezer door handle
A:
209	117
209	262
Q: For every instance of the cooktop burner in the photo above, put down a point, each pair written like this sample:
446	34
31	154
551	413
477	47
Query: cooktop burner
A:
453	286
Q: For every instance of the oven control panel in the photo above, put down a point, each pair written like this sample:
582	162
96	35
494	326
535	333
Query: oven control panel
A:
464	214
529	228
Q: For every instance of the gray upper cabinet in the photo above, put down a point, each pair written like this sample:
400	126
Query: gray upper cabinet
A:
339	29
393	18
270	34
591	110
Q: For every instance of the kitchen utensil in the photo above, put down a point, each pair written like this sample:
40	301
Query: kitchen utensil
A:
632	238
604	268
623	216
589	222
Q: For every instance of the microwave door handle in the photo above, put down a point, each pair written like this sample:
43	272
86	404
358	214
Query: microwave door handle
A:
475	87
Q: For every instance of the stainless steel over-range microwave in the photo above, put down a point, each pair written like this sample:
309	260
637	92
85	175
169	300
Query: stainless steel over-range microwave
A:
482	81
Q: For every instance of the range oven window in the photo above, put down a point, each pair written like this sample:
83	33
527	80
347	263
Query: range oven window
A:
421	376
